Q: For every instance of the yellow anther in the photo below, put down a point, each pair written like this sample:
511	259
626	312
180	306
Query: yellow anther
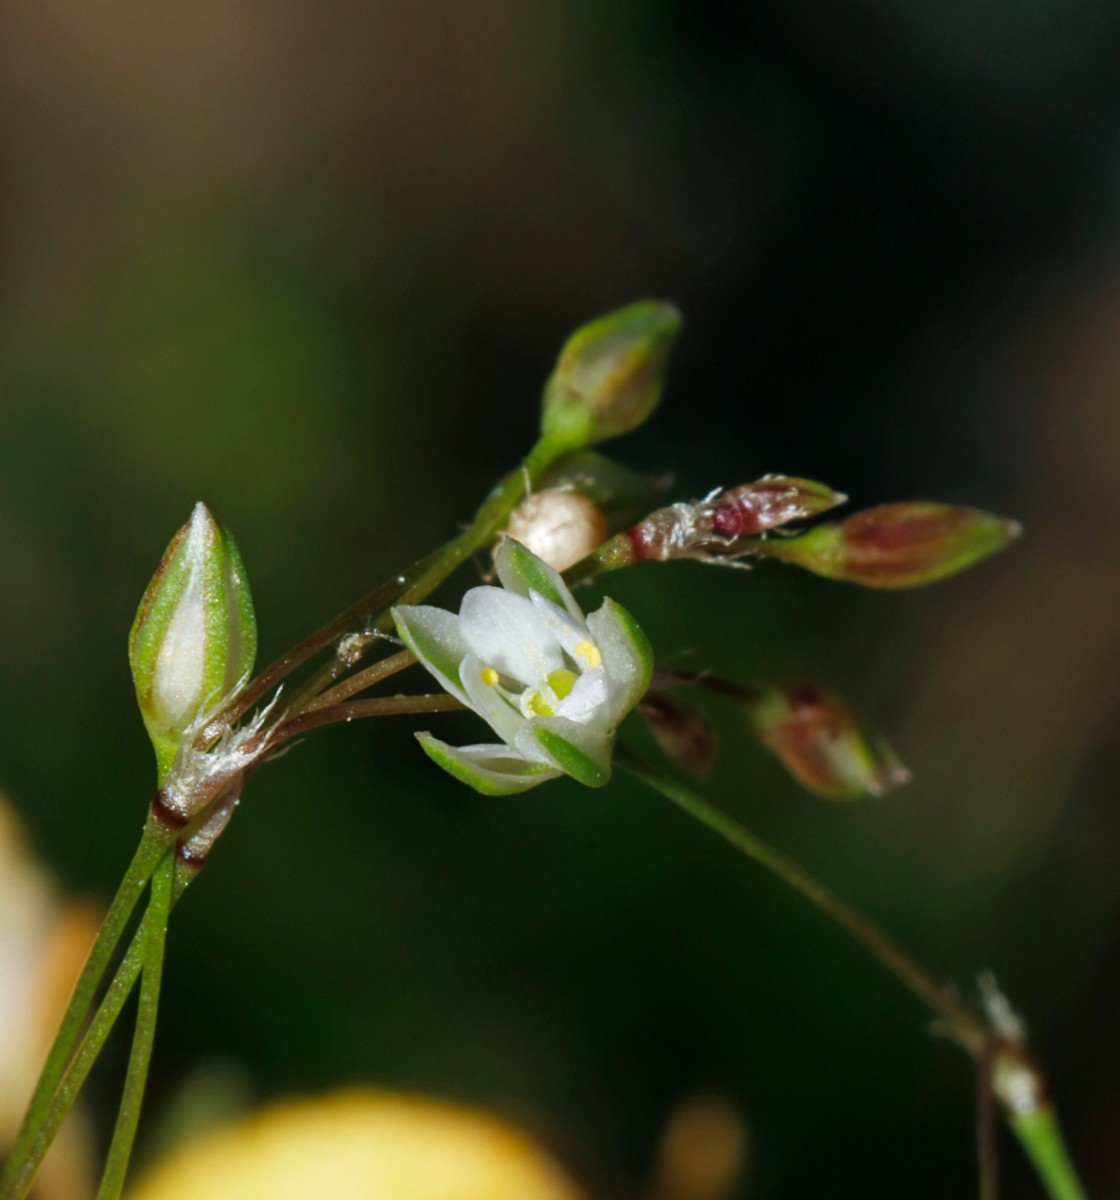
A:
589	652
488	676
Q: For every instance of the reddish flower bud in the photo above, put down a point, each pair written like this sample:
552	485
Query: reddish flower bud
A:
822	744
711	529
682	731
768	502
897	545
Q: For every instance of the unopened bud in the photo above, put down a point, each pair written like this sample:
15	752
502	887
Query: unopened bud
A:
195	635
682	731
897	545
765	504
821	743
609	375
713	529
559	526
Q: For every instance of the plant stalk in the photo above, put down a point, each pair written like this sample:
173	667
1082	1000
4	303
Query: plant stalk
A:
153	844
132	1098
1013	1078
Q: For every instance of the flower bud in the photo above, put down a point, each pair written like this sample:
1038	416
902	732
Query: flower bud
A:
559	526
681	730
195	634
765	504
822	744
714	529
609	375
897	545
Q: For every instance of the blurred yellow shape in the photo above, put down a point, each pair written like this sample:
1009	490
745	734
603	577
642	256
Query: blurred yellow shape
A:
704	1151
360	1145
43	942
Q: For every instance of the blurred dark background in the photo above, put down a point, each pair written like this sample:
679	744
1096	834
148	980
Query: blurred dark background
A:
311	263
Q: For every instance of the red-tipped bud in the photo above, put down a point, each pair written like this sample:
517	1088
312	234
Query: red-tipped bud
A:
897	545
822	744
712	529
765	504
682	731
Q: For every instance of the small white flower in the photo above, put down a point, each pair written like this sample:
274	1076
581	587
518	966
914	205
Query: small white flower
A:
552	683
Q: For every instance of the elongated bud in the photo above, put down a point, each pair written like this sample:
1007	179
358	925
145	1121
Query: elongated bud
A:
897	545
558	525
712	529
195	634
609	376
682	731
822	744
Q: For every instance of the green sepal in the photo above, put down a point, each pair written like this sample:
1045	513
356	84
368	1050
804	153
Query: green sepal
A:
432	634
507	776
570	758
521	571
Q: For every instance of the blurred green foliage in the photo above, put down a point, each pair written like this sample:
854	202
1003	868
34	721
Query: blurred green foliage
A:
312	263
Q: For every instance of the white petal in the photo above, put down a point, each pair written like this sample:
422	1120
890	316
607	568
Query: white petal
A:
570	633
587	699
627	657
507	633
489	702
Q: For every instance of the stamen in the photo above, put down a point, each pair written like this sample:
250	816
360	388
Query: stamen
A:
589	652
489	676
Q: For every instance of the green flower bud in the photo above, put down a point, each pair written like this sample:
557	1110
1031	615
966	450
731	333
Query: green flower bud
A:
897	545
609	375
195	634
821	743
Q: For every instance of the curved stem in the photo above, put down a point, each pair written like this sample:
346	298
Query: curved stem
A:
1010	1073
353	710
966	1027
155	939
361	680
415	584
153	844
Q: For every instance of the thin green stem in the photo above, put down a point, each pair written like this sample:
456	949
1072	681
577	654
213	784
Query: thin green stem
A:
136	1079
414	585
1040	1135
23	1170
153	844
1010	1073
966	1027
